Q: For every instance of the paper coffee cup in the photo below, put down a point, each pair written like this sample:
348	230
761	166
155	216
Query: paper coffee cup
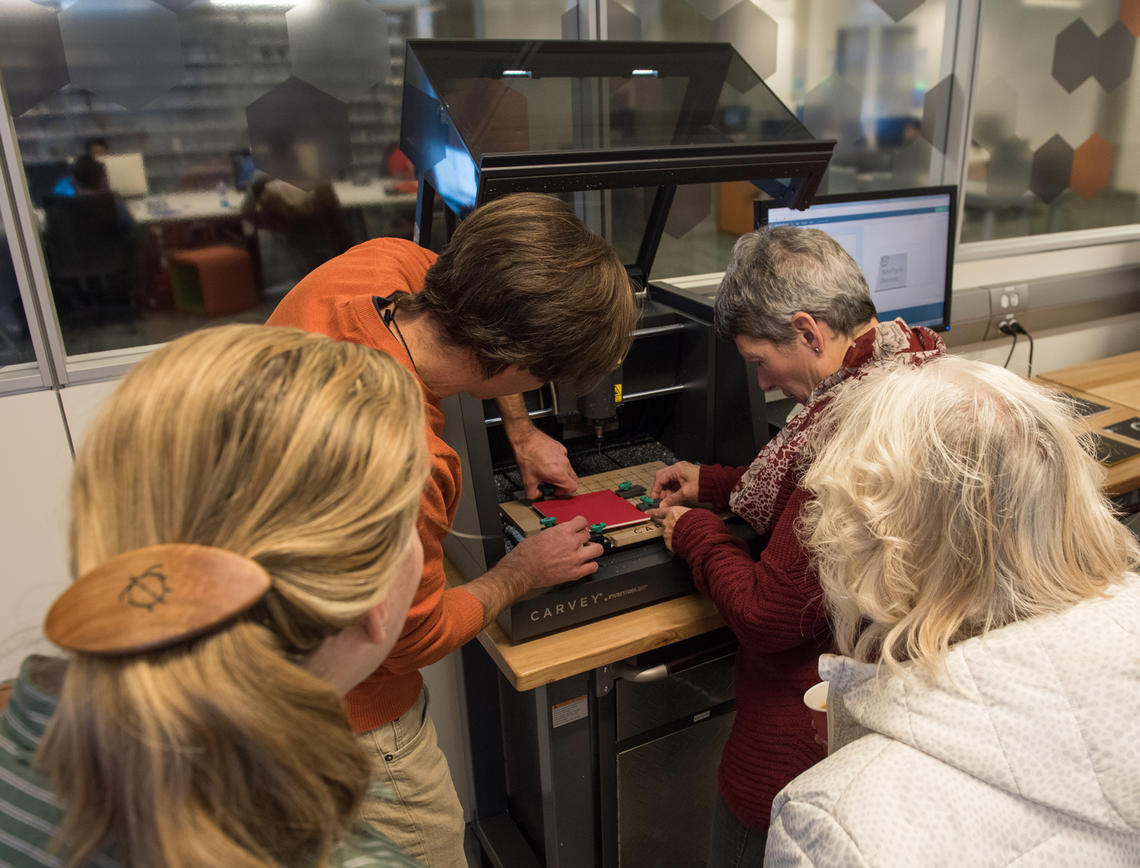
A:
815	698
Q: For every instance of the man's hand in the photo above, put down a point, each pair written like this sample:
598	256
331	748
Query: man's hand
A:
677	484
562	553
540	458
543	459
668	517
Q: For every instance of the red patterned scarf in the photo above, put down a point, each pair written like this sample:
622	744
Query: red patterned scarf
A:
754	496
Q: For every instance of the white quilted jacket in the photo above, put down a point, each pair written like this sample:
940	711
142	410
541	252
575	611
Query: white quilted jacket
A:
1032	760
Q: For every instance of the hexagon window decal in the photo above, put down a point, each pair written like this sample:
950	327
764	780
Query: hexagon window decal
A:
1052	166
1130	16
692	203
1078	54
741	76
126	51
941	113
752	33
832	110
340	46
1092	166
621	23
570	22
1074	51
299	133
713	9
1114	53
898	9
31	54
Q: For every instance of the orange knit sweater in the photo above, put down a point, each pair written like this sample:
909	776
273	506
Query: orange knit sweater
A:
336	300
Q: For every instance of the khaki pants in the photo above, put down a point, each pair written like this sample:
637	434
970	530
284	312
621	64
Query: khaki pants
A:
412	799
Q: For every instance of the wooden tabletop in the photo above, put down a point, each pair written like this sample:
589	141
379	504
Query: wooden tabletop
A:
549	658
1124	476
1115	379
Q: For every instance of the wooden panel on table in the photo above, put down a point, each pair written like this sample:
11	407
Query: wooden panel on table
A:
1116	378
1123	476
531	664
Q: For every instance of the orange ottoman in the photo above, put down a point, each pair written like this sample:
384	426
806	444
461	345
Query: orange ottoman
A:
214	280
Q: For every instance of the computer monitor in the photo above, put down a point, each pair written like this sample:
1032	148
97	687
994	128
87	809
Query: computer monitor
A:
903	240
126	174
45	178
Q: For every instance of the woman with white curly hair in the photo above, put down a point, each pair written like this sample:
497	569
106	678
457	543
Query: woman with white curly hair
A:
987	710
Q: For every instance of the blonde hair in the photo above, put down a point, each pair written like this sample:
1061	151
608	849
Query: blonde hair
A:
951	499
307	456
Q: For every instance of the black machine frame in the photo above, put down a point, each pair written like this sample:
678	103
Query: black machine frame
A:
546	792
532	172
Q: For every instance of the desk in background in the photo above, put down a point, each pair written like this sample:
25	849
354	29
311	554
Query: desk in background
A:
198	218
1115	379
1113	383
221	205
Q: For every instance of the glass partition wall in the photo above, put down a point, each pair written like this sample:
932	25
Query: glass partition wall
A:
180	163
15	337
1055	141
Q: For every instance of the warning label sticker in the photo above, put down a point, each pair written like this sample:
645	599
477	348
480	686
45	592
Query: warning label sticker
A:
569	711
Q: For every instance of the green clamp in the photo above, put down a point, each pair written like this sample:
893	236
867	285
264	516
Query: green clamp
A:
625	486
598	527
646	500
548	521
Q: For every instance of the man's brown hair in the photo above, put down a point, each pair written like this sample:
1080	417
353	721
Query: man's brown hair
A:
524	282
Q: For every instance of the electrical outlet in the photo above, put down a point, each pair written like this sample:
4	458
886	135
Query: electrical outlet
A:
1007	303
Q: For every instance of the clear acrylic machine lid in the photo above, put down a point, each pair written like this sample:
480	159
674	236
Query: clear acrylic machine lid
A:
482	118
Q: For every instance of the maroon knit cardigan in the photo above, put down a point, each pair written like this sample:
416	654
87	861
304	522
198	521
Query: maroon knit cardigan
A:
774	606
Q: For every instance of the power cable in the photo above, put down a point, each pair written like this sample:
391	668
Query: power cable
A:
1018	329
1006	328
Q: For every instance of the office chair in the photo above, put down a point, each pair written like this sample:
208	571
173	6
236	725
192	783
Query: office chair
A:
90	247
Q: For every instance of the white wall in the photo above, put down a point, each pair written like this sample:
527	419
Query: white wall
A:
35	464
1062	347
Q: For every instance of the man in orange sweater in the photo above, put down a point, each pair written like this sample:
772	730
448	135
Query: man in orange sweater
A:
523	294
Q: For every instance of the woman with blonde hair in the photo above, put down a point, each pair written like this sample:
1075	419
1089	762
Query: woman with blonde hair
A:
243	533
987	710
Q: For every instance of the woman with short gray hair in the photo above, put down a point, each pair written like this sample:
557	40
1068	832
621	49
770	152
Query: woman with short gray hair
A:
776	272
795	303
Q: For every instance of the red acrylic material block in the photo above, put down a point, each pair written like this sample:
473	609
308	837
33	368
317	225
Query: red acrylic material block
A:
597	506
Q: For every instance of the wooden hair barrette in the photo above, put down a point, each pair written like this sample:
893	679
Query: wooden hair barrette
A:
154	597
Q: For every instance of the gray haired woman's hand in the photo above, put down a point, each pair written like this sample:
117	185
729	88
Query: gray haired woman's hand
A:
668	518
677	484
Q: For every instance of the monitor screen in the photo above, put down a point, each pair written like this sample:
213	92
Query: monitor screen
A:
126	174
903	240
